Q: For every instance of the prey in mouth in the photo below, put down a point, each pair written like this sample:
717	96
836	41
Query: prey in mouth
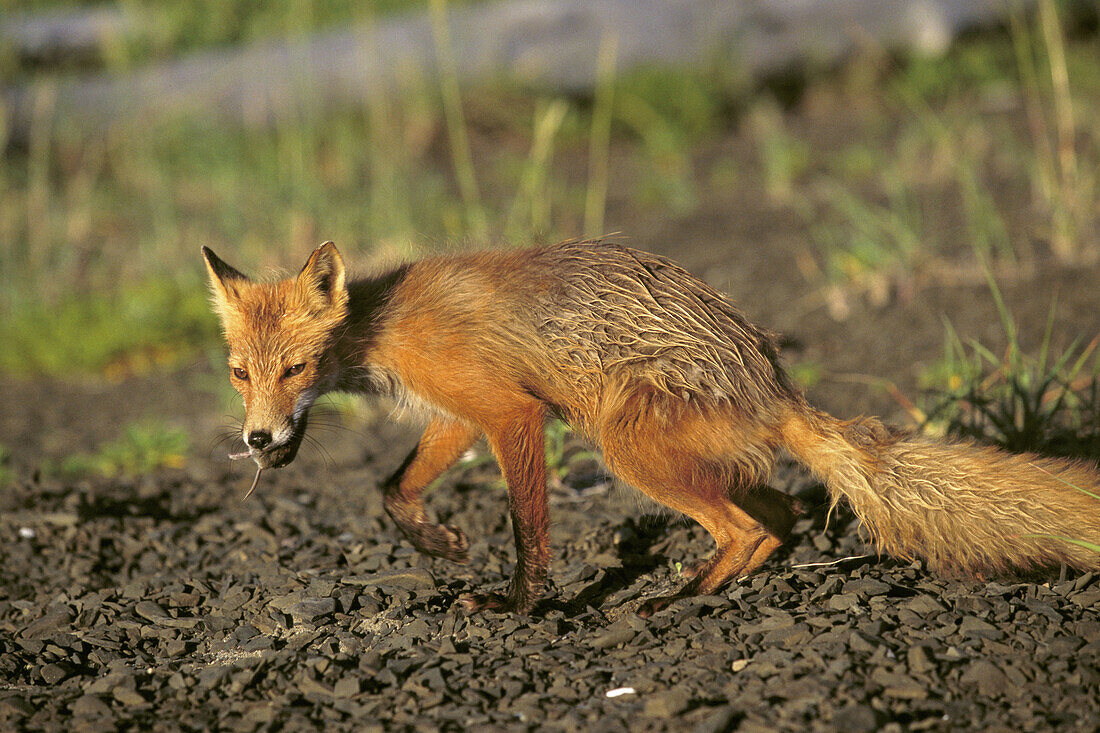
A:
272	456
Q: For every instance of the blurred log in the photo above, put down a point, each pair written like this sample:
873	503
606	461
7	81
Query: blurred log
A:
65	37
549	44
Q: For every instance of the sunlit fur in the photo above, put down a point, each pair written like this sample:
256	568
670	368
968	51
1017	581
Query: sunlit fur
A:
685	397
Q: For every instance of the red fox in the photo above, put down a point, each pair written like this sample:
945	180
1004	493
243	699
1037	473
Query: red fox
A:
685	397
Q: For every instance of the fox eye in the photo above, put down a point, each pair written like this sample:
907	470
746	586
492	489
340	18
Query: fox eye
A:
241	374
294	370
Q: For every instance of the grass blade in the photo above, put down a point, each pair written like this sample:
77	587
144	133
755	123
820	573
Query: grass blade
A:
595	200
456	122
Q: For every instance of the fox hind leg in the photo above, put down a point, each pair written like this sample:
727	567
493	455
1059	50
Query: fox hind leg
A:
672	464
743	544
443	442
776	510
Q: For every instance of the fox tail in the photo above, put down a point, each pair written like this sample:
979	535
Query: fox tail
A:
966	509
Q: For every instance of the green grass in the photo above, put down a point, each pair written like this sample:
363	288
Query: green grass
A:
131	329
565	452
7	474
1044	402
784	157
141	448
877	213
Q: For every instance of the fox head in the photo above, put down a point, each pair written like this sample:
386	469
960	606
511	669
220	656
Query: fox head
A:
279	336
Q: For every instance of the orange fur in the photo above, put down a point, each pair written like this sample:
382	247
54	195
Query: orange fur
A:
686	398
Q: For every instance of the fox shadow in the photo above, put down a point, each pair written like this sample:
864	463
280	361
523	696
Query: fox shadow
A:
650	542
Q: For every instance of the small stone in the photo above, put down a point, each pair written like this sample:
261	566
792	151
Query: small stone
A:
667	704
923	606
898	685
346	687
974	626
868	587
211	677
987	677
54	673
13	706
307	685
843	601
90	706
311	609
616	634
918	660
718	721
47	624
150	611
409	579
855	718
104	685
127	696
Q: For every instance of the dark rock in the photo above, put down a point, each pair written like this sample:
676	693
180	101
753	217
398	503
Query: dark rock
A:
411	579
47	624
918	660
150	611
620	632
975	627
53	673
855	719
719	721
347	686
90	706
843	601
12	706
127	697
311	609
898	685
667	704
987	677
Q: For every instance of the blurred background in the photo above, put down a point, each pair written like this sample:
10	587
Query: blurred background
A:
906	190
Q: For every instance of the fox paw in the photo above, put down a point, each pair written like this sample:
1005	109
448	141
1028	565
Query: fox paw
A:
477	602
653	605
443	541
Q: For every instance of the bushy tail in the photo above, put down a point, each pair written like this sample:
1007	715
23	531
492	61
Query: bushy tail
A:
965	508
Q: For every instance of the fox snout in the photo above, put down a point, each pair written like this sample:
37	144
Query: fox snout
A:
274	448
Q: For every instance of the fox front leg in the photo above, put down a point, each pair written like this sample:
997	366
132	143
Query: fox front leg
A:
519	444
443	442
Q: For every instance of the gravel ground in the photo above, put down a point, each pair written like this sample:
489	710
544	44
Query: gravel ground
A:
164	602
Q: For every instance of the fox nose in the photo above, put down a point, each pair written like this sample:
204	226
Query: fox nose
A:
259	439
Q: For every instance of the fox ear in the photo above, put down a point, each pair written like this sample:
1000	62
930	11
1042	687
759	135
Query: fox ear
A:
223	278
323	275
